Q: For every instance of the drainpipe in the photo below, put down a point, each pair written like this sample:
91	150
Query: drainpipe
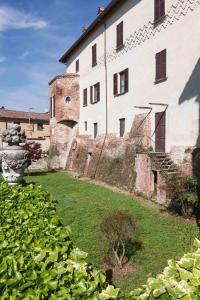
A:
106	98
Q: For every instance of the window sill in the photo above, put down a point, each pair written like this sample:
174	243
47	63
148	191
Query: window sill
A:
95	102
94	65
160	80
120	94
119	48
160	20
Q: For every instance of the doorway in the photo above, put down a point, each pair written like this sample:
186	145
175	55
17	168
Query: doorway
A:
160	131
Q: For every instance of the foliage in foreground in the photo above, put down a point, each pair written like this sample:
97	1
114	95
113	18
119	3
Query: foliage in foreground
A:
39	261
179	280
37	257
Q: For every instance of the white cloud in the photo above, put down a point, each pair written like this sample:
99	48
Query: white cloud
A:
24	54
2	59
11	18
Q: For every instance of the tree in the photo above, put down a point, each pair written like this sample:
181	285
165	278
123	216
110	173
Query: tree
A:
35	151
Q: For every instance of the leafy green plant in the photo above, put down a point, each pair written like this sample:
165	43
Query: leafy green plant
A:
116	231
179	280
37	257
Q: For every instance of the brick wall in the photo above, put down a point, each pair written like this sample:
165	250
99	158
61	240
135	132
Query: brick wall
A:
64	124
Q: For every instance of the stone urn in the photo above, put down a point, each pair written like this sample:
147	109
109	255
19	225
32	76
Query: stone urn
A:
14	159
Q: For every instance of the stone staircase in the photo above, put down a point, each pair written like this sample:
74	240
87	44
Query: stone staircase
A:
162	163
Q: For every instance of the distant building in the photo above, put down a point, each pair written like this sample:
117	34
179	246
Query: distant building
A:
36	125
135	72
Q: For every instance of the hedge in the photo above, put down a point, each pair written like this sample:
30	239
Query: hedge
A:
39	261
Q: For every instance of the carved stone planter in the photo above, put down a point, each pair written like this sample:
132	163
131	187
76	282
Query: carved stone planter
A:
14	159
14	162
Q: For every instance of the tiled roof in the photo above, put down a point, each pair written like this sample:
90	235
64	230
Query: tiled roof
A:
68	75
23	115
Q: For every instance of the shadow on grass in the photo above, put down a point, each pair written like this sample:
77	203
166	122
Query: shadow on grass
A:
131	248
40	173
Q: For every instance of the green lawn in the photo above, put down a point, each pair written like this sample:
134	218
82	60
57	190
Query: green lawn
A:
82	206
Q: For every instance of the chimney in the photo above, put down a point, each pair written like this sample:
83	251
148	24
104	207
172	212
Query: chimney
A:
84	29
100	10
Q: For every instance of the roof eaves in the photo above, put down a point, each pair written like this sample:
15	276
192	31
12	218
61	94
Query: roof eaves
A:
99	18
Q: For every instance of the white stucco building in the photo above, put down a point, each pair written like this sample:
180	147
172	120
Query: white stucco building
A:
160	34
132	83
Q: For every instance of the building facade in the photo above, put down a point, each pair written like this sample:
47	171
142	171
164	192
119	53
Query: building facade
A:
36	125
138	67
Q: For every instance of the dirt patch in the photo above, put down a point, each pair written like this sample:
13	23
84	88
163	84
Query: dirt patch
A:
113	272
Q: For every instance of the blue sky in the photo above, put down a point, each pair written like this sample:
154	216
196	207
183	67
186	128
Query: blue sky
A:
33	36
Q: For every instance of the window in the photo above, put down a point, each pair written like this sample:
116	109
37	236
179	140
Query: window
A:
95	93
85	97
68	99
161	66
122	82
52	108
95	130
77	66
120	39
40	127
121	127
123	78
159	10
85	125
94	55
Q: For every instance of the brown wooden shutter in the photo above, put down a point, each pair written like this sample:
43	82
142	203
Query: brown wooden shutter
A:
98	91
120	35
115	84
85	97
77	66
158	69
162	8
91	94
121	127
156	10
126	72
159	9
95	129
54	106
161	65
94	55
51	106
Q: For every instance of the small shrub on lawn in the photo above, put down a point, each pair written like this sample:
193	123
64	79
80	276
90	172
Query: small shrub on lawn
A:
116	231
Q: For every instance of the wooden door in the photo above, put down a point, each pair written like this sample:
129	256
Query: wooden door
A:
160	131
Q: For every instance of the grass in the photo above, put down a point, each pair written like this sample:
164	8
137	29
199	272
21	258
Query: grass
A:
82	206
